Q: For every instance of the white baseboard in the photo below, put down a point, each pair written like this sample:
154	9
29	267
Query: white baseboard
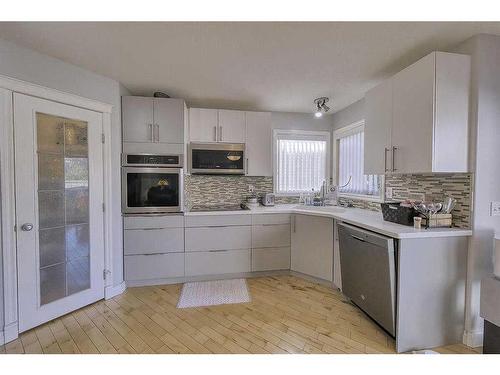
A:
473	339
112	291
187	279
10	333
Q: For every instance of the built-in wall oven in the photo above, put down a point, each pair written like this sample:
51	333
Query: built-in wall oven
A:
152	183
217	158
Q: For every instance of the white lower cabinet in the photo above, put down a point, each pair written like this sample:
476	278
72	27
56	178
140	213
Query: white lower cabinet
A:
154	267
217	262
271	235
153	247
153	241
312	246
271	258
218	238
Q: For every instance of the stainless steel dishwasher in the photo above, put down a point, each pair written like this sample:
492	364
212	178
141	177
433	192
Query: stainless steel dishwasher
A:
368	267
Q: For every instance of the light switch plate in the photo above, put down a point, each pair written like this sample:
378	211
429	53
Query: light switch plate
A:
388	192
495	209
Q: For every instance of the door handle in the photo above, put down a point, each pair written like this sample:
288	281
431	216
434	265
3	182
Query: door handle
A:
215	133
247	166
394	148
27	227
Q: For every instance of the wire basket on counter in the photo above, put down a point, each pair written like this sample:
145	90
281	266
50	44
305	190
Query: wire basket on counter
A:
396	213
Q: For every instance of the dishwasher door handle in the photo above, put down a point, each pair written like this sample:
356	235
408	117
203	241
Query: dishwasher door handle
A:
358	238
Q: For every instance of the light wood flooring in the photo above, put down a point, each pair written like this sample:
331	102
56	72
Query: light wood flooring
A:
287	315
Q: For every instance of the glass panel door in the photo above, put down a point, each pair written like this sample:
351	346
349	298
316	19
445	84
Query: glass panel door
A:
59	185
63	206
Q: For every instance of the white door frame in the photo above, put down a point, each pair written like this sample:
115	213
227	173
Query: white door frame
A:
10	331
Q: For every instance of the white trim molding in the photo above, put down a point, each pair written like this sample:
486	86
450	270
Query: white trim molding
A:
7	202
47	93
113	291
473	339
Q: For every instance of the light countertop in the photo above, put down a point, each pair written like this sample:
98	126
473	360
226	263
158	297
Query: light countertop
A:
370	220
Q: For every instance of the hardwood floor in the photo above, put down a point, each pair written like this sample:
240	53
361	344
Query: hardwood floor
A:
287	315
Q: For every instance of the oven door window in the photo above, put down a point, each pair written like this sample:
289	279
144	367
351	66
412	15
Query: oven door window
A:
217	159
152	189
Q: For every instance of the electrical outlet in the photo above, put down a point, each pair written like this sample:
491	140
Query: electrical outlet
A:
388	192
251	188
495	209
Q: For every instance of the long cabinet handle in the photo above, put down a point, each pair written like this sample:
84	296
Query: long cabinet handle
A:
394	148
385	159
247	166
293	223
151	130
217	251
220	133
215	133
157	133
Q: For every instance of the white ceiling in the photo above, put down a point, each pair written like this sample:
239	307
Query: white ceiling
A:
255	66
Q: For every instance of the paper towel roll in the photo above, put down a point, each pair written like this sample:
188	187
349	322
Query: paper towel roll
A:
496	257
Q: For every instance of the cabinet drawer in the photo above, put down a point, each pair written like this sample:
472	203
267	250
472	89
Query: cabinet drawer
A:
270	235
220	238
150	222
151	241
217	262
158	266
217	220
273	258
271	219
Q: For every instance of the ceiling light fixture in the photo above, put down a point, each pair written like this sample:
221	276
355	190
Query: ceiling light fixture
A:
321	106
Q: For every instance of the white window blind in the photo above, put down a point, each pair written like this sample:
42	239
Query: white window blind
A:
301	162
350	165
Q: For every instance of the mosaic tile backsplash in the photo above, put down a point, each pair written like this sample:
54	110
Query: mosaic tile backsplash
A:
205	190
430	187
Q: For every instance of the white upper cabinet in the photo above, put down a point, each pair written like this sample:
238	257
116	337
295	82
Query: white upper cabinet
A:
413	117
216	125
153	125
259	139
232	126
169	120
417	121
137	119
203	125
378	123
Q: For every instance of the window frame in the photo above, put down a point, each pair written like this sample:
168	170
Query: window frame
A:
318	135
343	132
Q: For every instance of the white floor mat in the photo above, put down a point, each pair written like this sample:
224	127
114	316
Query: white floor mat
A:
210	293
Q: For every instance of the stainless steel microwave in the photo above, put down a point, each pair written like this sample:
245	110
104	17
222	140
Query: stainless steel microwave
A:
217	158
152	184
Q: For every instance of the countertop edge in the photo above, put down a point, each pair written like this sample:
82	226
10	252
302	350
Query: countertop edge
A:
341	216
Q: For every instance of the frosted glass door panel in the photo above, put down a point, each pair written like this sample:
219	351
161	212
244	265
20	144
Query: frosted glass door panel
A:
63	207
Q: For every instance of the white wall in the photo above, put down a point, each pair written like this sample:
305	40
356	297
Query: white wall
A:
300	121
349	115
485	162
30	66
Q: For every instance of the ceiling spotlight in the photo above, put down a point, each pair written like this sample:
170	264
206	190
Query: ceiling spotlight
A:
321	106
